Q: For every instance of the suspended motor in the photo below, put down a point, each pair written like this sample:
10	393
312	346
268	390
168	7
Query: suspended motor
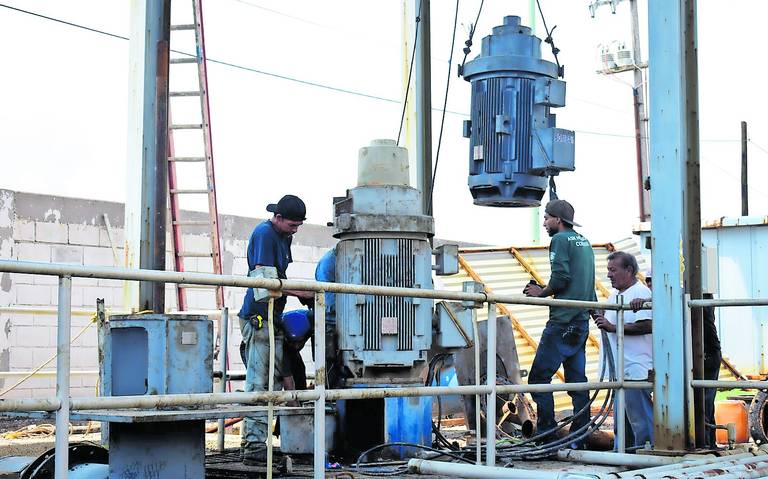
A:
514	144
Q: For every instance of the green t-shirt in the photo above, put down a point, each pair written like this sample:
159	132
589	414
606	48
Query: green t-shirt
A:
573	274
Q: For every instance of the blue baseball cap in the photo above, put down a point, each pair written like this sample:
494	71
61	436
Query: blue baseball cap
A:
296	325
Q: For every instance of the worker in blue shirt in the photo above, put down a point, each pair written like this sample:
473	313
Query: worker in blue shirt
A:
269	245
326	272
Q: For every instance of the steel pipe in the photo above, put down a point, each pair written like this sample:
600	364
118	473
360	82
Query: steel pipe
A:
478	415
719	303
697	471
55	269
223	383
616	458
249	398
670	468
320	380
179	400
63	334
620	413
490	379
711	383
452	469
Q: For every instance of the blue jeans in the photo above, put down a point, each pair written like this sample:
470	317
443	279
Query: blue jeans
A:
255	429
555	350
639	417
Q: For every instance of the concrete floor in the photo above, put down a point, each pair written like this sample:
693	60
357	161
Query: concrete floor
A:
228	465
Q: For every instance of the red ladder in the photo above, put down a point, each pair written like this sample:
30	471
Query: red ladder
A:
205	157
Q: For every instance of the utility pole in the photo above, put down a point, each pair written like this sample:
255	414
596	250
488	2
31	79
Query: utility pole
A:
744	189
423	102
638	103
641	121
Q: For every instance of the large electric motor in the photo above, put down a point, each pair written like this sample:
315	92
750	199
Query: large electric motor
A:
514	145
383	242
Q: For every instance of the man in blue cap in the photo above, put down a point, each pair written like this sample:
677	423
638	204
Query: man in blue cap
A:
269	245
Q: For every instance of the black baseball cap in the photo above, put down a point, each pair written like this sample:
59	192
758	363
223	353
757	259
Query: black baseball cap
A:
561	209
289	207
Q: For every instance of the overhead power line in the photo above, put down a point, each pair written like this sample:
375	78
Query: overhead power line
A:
316	84
230	64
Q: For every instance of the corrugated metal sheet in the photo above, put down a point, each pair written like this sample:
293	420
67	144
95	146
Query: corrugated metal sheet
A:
503	273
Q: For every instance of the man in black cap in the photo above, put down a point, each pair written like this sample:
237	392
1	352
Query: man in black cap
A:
269	245
564	336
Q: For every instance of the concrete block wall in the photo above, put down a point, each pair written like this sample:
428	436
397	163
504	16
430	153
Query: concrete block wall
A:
46	229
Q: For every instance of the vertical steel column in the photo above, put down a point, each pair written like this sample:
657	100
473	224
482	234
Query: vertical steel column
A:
423	103
224	323
619	417
63	333
146	192
668	152
319	438
689	370
490	379
692	245
478	416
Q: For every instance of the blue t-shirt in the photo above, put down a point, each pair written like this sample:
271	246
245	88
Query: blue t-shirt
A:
266	247
326	272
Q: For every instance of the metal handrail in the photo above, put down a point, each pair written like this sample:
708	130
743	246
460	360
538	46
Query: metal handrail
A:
54	269
63	403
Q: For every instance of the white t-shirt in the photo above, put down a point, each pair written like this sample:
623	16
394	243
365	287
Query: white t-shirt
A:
638	350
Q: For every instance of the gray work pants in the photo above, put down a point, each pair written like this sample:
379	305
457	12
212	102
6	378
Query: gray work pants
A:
255	429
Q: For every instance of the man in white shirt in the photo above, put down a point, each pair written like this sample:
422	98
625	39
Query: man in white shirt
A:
638	343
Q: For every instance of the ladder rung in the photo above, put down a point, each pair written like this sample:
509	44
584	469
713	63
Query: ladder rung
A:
190	26
191	223
187	126
174	61
188	192
186	158
185	93
193	254
198	286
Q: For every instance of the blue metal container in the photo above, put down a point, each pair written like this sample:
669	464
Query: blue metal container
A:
514	144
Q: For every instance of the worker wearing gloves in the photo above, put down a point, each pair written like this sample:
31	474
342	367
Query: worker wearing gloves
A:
565	334
269	245
638	344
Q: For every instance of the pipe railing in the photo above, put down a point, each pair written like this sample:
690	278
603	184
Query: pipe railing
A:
62	404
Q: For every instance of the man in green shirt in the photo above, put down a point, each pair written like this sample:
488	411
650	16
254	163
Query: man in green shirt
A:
564	337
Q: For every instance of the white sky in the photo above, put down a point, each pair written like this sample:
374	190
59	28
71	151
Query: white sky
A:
63	120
